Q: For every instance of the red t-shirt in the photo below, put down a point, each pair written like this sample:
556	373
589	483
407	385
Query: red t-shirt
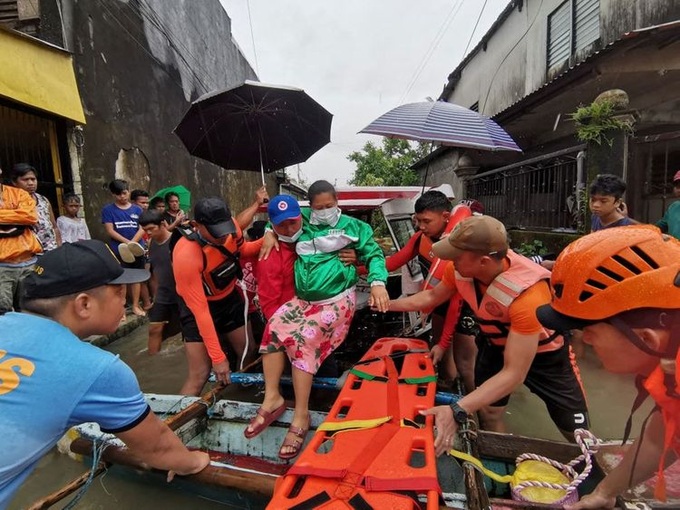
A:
276	279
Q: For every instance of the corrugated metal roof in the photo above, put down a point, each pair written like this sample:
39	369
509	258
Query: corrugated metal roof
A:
647	31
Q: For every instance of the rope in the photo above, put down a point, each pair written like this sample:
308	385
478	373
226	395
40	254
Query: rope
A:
588	444
97	451
246	305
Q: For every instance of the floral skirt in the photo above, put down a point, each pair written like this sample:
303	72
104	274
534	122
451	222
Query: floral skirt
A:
309	332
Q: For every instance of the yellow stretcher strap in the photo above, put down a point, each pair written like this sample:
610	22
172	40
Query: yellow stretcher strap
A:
478	463
343	426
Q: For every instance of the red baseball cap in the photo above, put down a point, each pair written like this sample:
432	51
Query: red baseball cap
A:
676	177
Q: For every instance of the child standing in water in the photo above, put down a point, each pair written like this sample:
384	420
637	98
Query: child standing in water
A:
314	323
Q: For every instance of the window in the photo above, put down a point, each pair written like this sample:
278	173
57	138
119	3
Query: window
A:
572	27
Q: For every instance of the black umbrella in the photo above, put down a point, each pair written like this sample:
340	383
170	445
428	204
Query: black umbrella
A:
255	127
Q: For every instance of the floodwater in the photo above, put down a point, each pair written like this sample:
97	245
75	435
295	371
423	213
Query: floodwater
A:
610	397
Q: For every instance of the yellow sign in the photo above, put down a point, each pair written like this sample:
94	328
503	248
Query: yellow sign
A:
38	74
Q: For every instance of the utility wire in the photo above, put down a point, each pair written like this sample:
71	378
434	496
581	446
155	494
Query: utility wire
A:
431	49
498	68
252	38
467	46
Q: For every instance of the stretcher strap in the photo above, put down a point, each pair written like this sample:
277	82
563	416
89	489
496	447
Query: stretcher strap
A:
381	378
344	426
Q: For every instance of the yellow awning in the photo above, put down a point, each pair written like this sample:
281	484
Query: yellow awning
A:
38	74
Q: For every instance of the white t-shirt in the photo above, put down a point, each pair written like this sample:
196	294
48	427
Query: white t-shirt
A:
72	230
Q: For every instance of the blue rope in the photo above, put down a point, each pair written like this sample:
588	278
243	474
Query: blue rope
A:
97	451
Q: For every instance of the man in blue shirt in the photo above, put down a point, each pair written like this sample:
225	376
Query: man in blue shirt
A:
50	380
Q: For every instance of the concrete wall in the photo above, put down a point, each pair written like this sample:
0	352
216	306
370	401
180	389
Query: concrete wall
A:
513	63
139	65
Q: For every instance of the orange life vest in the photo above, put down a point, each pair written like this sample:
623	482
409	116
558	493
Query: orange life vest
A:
221	267
437	265
493	311
664	387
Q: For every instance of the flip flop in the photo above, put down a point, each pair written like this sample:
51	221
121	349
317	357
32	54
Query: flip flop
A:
136	249
269	418
125	253
296	443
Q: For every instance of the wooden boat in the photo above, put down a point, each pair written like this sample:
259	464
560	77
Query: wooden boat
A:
243	473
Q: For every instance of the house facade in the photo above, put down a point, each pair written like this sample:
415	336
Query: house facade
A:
129	70
537	64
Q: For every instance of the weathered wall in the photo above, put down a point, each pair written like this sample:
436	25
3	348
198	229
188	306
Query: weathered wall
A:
513	64
139	65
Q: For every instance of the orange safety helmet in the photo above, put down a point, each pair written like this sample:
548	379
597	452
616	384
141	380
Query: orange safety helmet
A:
612	271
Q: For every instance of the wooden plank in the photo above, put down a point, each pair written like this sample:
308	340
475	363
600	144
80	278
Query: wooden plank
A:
508	447
216	476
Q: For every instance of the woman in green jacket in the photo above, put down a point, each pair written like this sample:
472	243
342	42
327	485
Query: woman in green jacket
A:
316	321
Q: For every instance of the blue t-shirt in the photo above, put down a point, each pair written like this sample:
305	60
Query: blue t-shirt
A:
51	380
596	223
125	221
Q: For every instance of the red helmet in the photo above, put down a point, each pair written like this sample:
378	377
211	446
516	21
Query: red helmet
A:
610	272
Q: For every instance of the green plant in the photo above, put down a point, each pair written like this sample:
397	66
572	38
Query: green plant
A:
535	247
594	121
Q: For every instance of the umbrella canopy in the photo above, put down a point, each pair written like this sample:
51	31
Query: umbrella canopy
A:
443	123
255	127
183	193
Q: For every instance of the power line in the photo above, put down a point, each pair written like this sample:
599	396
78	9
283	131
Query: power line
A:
252	38
431	49
498	68
467	46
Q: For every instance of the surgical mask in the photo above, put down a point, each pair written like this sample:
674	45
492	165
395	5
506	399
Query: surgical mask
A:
290	239
329	216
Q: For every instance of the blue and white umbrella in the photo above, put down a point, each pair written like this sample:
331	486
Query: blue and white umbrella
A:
442	123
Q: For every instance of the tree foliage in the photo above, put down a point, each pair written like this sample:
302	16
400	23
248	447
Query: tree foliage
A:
388	165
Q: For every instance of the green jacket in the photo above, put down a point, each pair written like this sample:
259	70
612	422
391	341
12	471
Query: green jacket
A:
319	272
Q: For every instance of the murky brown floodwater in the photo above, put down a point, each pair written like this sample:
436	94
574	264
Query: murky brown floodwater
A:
610	397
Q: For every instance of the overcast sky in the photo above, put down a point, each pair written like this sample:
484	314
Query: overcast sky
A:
358	58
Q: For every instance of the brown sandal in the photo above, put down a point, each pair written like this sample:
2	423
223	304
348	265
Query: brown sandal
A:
269	418
296	443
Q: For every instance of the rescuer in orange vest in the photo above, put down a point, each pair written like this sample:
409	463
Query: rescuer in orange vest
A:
503	290
622	287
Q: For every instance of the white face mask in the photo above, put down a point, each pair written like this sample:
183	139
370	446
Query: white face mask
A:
290	239
329	216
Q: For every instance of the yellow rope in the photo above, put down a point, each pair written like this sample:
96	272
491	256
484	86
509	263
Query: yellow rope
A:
472	460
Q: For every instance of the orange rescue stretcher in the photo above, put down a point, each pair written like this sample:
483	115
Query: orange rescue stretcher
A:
374	450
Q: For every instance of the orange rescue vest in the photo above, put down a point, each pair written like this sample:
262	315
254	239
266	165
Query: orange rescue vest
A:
437	265
221	267
663	386
493	311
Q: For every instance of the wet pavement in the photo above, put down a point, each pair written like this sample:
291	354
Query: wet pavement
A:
610	397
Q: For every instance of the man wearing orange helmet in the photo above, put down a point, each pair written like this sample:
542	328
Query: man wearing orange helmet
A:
622	287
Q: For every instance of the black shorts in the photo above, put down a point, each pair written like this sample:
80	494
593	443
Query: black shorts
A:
552	377
226	313
163	312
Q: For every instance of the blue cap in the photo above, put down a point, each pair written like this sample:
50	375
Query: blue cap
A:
282	208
